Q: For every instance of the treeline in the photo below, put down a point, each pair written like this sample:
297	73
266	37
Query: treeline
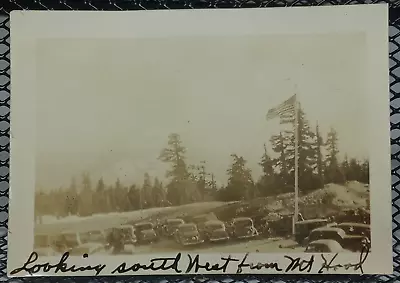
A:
318	164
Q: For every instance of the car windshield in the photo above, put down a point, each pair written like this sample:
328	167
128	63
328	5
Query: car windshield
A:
243	223
127	231
189	228
41	241
144	226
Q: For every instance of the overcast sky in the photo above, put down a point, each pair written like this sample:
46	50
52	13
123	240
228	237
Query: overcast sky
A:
108	106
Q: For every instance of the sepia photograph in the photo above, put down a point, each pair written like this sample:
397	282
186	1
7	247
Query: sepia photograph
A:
203	144
218	151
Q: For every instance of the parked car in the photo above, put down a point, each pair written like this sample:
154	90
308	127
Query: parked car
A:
350	242
243	228
326	233
324	246
171	225
304	228
215	231
187	235
200	220
128	232
267	227
66	241
95	236
356	229
145	233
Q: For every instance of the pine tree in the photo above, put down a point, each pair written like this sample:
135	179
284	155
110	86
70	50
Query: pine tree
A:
334	173
119	196
240	183
284	145
100	198
86	196
134	198
319	157
147	194
280	143
267	185
345	166
180	190
158	192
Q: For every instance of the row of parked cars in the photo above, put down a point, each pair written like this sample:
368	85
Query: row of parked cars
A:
203	228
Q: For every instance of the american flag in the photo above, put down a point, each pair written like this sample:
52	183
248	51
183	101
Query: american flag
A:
285	111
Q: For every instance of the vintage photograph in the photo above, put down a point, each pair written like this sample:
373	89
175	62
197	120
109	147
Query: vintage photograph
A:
187	146
206	144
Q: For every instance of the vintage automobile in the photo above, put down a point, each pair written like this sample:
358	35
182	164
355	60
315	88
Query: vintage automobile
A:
200	220
268	225
43	245
355	229
66	241
188	235
353	243
243	228
304	228
145	233
215	231
324	246
128	232
95	236
171	225
327	233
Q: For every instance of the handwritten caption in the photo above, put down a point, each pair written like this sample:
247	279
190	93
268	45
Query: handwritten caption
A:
194	264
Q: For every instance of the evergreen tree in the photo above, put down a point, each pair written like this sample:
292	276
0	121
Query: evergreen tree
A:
72	202
346	168
334	173
134	197
240	183
284	145
365	172
180	189
268	183
147	194
119	196
100	198
319	157
86	196
159	195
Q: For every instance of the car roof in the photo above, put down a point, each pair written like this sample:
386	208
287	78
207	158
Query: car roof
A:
174	219
187	225
242	219
143	223
210	222
354	224
329	229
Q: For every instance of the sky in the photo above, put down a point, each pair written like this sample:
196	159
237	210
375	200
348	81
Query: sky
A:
107	106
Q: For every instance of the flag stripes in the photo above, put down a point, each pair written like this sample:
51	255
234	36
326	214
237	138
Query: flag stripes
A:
285	111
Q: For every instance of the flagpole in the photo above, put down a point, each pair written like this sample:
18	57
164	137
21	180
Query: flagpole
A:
296	165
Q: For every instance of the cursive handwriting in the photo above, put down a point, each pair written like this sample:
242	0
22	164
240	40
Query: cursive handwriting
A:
299	264
258	266
328	265
194	263
162	263
61	266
